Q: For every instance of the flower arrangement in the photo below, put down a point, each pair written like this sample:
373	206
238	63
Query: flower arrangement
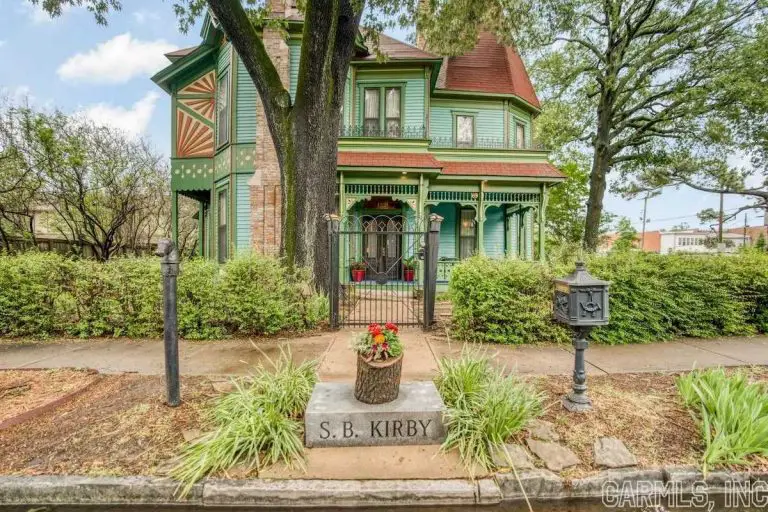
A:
379	343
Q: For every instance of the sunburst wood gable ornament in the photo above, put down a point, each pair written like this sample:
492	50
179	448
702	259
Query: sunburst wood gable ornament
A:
194	138
206	84
196	106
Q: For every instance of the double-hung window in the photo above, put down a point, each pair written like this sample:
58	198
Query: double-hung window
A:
382	115
519	135
221	222
465	131
222	110
467	233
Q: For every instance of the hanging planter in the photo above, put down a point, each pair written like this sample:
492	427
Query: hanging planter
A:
379	364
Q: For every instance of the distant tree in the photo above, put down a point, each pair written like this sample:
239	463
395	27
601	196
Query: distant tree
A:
760	244
681	227
737	123
96	179
627	235
637	73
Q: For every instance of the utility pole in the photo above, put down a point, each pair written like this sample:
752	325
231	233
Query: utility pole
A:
720	221
648	195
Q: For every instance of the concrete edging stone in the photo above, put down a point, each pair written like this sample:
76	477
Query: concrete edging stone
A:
539	484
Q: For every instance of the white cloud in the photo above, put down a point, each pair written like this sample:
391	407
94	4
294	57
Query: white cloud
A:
21	94
116	60
143	16
133	120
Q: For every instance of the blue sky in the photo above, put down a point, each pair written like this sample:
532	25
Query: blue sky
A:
73	64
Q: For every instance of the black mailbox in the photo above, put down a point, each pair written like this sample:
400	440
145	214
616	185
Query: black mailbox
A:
580	299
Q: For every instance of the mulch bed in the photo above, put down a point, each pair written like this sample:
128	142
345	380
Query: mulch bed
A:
121	426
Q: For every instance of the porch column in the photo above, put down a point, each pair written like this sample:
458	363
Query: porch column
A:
480	216
542	221
175	217
200	228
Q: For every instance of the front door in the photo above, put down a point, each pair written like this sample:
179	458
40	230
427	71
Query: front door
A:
382	245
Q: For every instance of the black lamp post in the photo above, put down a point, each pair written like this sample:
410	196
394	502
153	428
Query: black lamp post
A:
581	302
169	268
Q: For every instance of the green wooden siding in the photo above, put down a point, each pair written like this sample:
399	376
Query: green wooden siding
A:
242	212
245	106
294	56
493	232
223	59
489	118
447	229
414	103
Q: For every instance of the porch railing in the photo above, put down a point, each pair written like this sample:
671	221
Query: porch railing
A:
485	143
403	132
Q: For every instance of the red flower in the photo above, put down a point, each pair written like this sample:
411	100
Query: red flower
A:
374	329
392	327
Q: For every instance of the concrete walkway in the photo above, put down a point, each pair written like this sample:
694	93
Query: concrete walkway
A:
236	357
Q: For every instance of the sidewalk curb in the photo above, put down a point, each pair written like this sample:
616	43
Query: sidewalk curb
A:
77	490
539	484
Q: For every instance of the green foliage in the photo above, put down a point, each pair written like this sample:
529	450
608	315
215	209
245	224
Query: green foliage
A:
258	424
484	408
503	301
45	294
731	412
652	297
627	235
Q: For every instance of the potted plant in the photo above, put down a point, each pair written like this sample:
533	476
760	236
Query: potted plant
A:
379	364
409	268
358	271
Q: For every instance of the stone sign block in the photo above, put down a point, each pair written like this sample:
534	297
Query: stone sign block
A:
335	418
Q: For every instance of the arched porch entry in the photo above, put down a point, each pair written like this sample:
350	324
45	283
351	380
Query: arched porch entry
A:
382	245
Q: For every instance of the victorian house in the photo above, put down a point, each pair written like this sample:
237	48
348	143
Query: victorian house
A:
421	134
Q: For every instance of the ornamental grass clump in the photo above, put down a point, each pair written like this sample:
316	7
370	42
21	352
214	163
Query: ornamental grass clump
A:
379	343
731	412
484	408
258	424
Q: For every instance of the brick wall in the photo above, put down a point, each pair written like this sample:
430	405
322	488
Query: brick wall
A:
266	193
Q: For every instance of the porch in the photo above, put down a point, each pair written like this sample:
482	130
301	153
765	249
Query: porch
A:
385	221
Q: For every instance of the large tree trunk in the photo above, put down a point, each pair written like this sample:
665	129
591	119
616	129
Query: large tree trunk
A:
600	166
305	133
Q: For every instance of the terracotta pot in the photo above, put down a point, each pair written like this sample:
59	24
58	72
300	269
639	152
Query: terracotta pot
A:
378	382
358	275
408	274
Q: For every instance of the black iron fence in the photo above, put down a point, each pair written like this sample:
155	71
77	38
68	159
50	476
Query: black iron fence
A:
420	132
383	269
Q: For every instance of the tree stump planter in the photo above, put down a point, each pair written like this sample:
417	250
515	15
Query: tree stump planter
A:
378	382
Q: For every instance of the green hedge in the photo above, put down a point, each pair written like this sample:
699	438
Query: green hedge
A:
44	294
652	297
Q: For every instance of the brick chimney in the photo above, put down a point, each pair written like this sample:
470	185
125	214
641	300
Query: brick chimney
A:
421	41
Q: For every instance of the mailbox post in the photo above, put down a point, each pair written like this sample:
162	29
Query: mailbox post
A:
169	268
581	302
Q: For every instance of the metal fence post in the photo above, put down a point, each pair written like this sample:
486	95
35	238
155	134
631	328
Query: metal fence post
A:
169	268
431	248
333	276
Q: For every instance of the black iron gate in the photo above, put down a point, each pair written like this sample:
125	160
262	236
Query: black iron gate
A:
383	269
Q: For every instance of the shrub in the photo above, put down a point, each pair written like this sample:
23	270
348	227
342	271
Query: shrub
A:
258	424
731	412
45	294
652	297
503	301
483	407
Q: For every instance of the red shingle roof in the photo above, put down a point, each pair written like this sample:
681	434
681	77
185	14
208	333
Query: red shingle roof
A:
489	67
395	49
425	160
366	159
541	170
